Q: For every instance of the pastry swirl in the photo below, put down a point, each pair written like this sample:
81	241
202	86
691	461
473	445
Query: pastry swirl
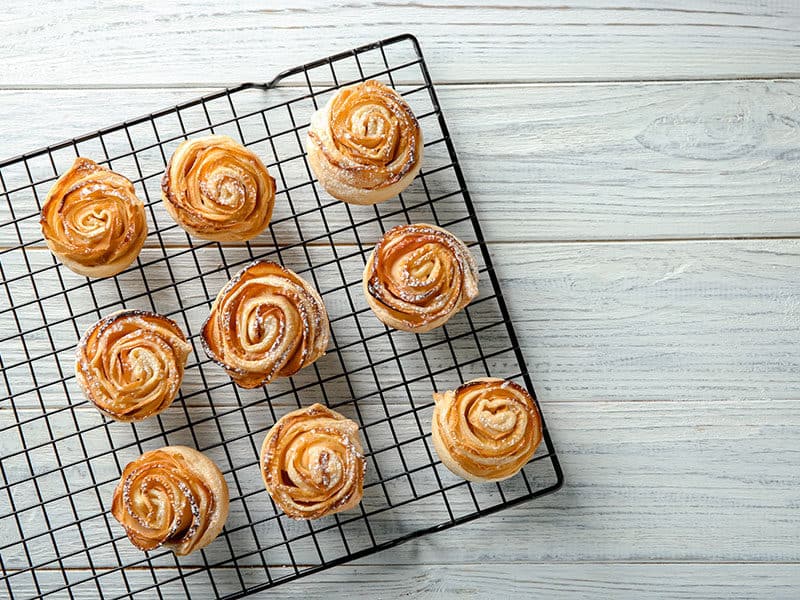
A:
92	220
266	322
365	145
175	497
313	464
130	364
418	276
216	189
486	430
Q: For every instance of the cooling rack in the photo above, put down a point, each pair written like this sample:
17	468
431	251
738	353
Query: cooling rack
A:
60	460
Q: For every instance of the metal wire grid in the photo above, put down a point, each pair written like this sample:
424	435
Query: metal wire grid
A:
60	460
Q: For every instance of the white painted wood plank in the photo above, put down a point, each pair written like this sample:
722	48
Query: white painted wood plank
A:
52	43
573	581
623	321
659	481
633	161
711	329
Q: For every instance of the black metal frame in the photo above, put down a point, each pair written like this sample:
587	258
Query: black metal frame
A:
28	322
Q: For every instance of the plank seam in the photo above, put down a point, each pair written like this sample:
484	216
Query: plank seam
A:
450	565
677	240
791	76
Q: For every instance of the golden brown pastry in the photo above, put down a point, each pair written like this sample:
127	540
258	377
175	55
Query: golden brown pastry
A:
313	464
418	276
175	497
130	364
216	189
92	220
266	322
486	430
365	145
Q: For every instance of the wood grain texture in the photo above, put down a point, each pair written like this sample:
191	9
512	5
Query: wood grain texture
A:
647	481
578	162
668	371
623	321
565	581
120	43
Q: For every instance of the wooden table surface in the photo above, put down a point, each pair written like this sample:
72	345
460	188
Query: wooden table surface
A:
636	167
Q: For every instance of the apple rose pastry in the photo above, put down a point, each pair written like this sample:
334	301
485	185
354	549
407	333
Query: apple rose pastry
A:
365	145
267	322
175	497
486	430
313	464
418	276
130	364
92	220
216	189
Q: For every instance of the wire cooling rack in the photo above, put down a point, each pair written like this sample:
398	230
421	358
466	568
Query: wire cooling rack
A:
60	460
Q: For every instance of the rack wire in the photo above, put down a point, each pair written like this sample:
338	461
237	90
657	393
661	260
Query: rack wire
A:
60	460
